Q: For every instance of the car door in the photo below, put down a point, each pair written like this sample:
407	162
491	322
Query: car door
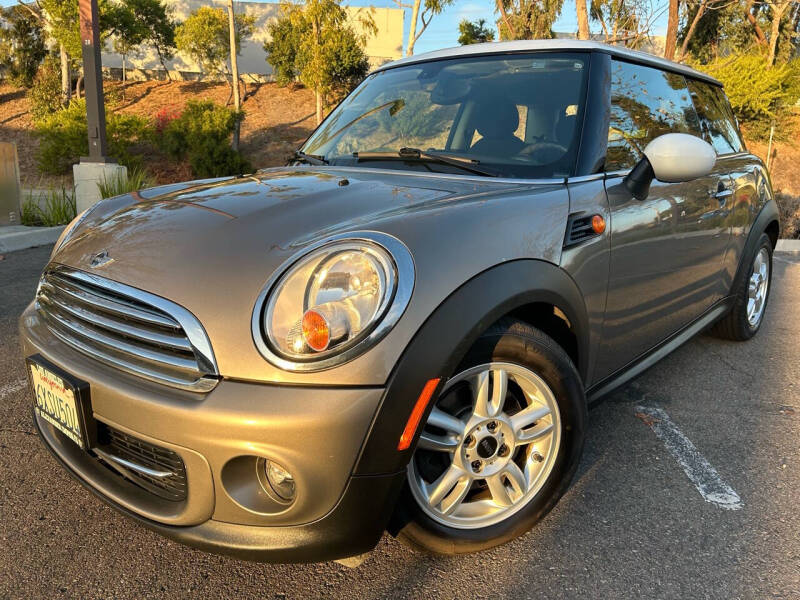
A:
666	251
720	130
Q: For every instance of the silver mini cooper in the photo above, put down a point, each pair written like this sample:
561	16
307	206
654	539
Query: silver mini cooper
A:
402	329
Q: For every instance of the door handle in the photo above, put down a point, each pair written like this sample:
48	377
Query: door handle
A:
722	195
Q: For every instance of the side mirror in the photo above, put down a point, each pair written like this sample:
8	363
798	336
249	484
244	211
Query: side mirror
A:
671	158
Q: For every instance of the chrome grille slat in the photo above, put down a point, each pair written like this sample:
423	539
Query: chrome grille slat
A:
141	352
92	299
128	329
120	328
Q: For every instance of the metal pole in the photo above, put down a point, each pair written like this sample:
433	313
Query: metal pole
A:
769	148
93	82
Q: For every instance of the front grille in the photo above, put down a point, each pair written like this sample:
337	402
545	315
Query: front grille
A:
156	469
129	329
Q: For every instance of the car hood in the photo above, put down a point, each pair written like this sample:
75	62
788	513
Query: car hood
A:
245	227
210	246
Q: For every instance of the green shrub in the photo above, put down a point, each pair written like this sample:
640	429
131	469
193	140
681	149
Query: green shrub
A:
759	94
202	133
63	137
58	208
45	93
136	179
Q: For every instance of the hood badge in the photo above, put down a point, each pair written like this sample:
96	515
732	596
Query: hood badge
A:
101	259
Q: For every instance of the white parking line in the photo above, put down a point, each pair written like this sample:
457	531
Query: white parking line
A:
10	388
697	468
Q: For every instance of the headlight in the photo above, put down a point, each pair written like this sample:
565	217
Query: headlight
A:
334	301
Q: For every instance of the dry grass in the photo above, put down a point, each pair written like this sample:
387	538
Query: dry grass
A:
790	216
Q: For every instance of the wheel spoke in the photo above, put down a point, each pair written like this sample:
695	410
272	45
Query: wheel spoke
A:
444	484
486	405
445	421
438	443
528	416
454	499
507	486
517	480
497	487
534	433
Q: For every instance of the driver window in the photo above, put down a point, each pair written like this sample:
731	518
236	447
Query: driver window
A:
645	103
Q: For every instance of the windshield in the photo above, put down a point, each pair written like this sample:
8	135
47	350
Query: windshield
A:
515	115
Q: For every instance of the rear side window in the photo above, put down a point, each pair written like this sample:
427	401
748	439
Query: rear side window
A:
645	103
716	118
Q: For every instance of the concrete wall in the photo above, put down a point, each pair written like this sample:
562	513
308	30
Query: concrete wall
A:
385	46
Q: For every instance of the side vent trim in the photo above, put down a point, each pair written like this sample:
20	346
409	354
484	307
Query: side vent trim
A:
579	229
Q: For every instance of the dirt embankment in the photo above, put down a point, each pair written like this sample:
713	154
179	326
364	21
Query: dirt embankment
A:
278	120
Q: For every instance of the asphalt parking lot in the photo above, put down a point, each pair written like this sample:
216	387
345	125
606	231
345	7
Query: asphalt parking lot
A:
650	513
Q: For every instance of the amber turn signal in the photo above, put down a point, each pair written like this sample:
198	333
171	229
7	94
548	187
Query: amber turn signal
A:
316	331
416	414
598	224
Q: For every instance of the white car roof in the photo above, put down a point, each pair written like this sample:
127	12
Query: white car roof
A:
562	45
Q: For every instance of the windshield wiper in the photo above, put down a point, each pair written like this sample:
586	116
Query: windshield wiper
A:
311	159
468	164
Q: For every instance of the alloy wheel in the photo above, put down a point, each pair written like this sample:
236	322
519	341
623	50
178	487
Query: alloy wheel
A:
488	446
757	288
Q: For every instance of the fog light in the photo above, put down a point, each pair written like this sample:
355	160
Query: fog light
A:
280	480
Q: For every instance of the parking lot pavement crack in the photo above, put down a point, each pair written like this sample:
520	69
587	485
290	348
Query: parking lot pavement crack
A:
699	471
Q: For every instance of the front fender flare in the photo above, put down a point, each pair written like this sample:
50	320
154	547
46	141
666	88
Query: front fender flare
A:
444	339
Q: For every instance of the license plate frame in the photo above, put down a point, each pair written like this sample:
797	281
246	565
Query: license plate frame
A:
87	437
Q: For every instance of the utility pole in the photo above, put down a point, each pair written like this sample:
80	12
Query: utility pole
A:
237	101
93	81
98	166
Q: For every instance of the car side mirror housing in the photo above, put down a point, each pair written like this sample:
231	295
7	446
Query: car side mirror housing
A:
671	158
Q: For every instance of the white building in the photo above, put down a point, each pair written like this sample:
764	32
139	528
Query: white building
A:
386	45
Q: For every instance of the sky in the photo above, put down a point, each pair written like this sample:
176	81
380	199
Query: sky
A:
443	30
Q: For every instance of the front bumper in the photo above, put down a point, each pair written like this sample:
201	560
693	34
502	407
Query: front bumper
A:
316	433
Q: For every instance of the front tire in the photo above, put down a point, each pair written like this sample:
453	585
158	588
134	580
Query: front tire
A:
500	446
750	297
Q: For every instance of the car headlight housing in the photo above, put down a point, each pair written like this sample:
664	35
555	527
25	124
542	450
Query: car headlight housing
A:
334	301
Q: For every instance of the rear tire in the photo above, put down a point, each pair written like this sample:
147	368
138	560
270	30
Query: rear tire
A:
512	451
750	297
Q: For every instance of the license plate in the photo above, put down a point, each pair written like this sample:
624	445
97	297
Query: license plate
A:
58	401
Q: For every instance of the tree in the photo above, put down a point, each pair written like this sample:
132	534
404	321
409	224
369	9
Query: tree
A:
205	37
583	19
22	45
237	102
152	25
672	29
474	32
60	19
316	43
527	19
424	13
623	22
778	10
282	47
128	32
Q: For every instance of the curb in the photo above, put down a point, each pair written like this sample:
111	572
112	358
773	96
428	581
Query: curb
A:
788	246
21	237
